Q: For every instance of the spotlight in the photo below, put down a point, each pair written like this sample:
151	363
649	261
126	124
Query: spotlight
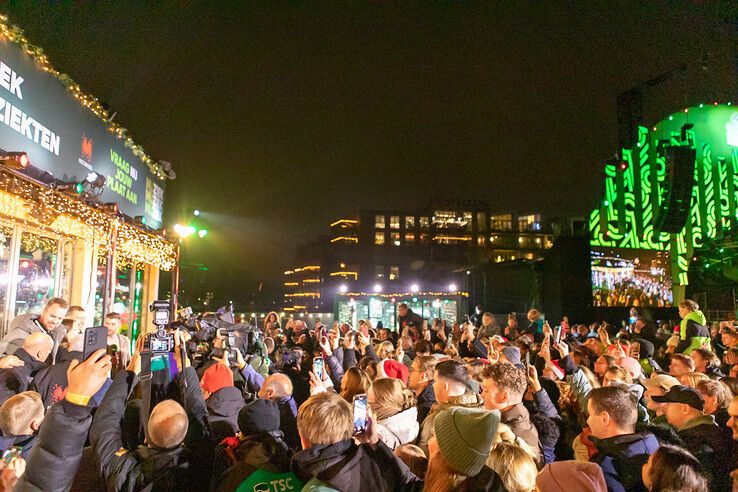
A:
196	213
15	160
377	288
452	287
414	288
343	288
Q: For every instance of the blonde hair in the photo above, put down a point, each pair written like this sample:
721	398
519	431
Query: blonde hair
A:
515	467
506	435
534	315
692	378
620	373
440	477
391	397
354	382
384	349
324	419
19	411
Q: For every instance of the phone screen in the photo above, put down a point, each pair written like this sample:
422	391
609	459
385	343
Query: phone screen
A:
360	414
318	367
557	334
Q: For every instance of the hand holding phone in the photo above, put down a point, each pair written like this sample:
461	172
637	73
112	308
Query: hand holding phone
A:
360	413
557	335
96	338
318	367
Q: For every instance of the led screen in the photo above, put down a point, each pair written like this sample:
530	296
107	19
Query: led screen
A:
631	277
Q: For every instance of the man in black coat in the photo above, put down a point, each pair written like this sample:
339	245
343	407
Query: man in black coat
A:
178	451
222	399
56	456
406	316
34	352
699	433
331	458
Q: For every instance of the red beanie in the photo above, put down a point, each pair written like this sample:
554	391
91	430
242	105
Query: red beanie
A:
217	376
393	369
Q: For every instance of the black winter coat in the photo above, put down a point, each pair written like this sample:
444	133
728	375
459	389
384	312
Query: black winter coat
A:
54	461
713	447
16	379
426	399
349	467
182	469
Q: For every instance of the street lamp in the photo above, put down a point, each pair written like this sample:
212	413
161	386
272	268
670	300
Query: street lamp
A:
414	288
181	231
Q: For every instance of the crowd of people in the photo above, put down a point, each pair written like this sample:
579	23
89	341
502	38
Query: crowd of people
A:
473	406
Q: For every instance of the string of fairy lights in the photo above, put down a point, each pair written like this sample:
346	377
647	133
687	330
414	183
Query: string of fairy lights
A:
34	205
15	34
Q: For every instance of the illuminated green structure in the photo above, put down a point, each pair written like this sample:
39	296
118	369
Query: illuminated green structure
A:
636	185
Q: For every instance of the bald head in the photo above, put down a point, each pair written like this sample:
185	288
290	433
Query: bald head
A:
275	386
38	345
167	425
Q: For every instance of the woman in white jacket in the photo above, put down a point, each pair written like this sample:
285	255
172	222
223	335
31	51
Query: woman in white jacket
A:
394	407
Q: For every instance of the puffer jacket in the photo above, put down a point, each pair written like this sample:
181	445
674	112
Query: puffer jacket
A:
401	428
468	400
622	457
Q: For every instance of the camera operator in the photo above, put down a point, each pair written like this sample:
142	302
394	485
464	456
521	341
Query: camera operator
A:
176	453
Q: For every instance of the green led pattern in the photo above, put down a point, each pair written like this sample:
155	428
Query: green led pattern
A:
635	187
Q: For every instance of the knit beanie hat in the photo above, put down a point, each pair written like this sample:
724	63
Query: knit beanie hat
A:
216	377
465	437
259	416
565	476
512	354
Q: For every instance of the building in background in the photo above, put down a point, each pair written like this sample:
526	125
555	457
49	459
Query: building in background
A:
404	255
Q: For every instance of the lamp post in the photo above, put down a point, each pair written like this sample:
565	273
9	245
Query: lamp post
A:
181	232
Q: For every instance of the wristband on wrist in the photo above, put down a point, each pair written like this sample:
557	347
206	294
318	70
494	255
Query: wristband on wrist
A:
77	399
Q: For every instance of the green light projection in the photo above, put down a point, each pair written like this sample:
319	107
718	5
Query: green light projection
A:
635	187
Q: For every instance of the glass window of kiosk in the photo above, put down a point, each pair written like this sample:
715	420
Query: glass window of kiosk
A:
36	272
6	236
123	297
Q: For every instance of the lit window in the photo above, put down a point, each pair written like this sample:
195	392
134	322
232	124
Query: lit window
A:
424	222
480	240
529	222
395	238
394	273
409	222
379	238
379	221
423	237
394	222
379	271
409	237
501	222
467	222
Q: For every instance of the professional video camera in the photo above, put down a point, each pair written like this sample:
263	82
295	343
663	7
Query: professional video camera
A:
159	342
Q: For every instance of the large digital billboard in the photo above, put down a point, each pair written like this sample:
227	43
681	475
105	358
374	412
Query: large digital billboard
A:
631	278
40	116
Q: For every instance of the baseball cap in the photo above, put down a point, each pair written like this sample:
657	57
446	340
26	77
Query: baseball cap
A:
682	394
663	381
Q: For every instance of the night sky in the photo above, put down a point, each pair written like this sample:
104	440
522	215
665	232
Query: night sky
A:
278	118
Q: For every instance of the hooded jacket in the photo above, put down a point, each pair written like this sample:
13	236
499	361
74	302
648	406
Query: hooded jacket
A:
349	467
401	428
468	400
622	457
223	407
693	333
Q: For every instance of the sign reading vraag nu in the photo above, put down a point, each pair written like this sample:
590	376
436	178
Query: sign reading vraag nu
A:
39	116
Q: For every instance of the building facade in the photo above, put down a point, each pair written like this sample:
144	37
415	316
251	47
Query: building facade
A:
422	254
